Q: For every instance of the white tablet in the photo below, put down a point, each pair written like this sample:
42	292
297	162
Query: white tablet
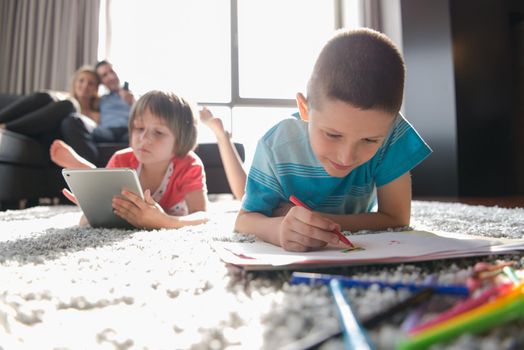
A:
94	190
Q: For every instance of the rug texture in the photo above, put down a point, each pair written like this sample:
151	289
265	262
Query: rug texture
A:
68	287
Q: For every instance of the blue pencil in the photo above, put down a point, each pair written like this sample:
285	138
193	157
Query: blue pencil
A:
355	336
324	279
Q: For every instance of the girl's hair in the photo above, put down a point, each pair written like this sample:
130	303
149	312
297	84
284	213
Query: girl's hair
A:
178	114
89	70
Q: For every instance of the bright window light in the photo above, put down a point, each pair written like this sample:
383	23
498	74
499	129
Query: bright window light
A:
278	42
177	45
251	123
185	46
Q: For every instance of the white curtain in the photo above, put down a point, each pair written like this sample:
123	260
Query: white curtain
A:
42	42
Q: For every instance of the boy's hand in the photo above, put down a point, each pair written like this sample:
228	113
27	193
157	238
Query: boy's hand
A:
282	209
303	230
141	213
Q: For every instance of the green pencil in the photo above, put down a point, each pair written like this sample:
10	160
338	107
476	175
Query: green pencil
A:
507	312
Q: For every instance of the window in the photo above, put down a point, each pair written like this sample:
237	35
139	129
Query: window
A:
277	48
181	45
244	59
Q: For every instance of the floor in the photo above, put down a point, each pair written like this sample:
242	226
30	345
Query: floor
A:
504	202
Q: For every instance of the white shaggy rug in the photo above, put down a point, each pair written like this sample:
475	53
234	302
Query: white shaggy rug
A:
66	287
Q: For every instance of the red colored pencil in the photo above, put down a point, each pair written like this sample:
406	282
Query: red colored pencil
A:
343	238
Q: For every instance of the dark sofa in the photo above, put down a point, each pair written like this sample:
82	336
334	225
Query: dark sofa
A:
27	175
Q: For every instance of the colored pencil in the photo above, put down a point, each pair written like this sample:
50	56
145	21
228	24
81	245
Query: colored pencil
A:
505	308
324	279
355	336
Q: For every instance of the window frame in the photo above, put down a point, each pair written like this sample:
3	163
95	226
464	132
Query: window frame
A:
238	101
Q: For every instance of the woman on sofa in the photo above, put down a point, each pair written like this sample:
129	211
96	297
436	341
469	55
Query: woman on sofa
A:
40	114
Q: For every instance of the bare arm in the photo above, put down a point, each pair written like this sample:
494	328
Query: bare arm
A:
394	208
235	173
263	227
196	201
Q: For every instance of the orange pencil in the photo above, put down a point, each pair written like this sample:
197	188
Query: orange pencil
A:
343	238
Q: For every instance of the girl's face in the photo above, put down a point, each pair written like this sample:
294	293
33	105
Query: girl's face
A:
151	139
85	85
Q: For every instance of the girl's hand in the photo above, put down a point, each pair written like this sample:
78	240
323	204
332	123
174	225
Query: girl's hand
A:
141	213
303	230
69	195
196	218
212	122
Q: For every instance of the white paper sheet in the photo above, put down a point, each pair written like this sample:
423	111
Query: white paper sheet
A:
384	247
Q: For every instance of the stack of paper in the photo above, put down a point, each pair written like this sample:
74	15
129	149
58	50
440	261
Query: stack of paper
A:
384	247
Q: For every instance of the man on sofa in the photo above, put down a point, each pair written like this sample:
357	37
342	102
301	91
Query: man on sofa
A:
114	114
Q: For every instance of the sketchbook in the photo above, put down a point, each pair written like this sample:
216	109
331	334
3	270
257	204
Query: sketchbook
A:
376	248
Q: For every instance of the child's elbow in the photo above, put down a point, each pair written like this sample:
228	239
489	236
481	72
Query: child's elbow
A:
240	222
401	221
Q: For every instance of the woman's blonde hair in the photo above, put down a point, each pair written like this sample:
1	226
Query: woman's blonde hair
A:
178	114
89	70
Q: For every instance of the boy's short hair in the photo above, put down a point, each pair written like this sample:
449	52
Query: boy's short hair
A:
178	114
101	63
361	67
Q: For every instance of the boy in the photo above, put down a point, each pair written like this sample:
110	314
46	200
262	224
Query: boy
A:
349	155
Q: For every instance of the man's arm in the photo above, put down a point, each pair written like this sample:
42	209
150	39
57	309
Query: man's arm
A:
127	96
394	208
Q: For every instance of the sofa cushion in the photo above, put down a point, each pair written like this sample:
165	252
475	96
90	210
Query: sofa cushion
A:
22	150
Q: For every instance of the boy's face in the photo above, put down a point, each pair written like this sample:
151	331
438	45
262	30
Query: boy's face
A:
344	137
151	139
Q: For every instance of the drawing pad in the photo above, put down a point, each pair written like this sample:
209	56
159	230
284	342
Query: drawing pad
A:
94	190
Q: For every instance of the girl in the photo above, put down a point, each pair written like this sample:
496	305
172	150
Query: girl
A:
163	134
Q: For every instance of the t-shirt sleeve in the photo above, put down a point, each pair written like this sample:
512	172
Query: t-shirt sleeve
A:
263	190
402	151
114	162
193	178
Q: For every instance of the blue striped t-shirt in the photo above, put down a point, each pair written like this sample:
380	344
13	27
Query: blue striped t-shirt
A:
284	164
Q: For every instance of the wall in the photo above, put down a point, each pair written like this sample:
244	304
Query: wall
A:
464	92
484	52
429	97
